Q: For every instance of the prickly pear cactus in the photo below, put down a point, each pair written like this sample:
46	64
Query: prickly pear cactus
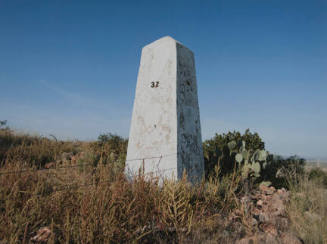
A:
251	166
239	158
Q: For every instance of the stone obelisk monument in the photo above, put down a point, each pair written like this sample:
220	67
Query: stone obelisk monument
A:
165	135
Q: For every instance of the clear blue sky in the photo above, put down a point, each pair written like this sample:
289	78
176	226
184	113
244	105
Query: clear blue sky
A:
69	68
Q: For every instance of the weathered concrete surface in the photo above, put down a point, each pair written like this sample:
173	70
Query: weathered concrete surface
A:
165	129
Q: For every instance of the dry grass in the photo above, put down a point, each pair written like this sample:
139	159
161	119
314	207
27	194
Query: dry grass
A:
94	203
84	207
308	210
33	150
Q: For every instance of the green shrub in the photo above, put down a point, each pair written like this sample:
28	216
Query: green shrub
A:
219	151
246	152
282	172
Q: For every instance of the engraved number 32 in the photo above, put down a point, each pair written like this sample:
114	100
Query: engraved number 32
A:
154	84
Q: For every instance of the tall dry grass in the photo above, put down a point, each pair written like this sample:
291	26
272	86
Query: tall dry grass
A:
307	210
94	203
90	201
34	150
91	206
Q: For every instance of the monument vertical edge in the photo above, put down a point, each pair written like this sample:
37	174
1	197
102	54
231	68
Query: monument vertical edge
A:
189	126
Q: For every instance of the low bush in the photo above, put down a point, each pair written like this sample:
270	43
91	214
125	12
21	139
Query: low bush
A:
246	152
282	172
217	152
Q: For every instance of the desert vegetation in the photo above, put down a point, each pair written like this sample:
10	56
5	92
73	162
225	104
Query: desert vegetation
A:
75	192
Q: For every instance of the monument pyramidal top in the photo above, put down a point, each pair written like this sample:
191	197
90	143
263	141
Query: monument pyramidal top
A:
165	39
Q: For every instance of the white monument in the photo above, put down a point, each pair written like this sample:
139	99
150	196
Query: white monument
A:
165	135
